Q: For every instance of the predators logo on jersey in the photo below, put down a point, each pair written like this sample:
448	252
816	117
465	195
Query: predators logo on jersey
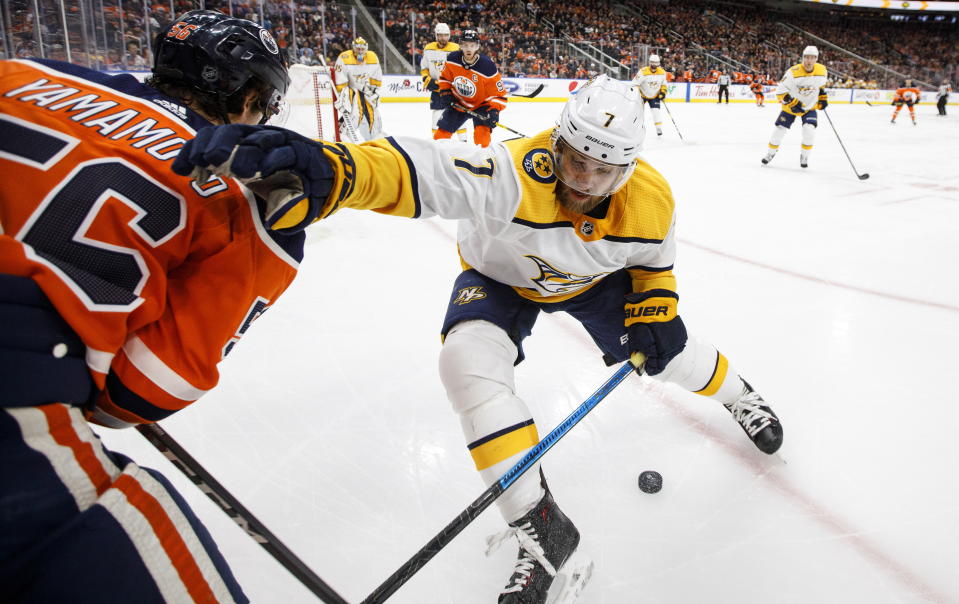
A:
469	294
555	281
538	165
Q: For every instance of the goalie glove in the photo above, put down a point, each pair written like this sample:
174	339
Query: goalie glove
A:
654	327
372	94
342	103
289	172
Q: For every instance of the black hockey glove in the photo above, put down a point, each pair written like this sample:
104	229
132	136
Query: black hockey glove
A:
661	95
654	328
290	172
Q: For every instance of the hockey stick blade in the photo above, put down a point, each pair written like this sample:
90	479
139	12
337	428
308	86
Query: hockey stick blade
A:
231	506
467	516
863	176
535	93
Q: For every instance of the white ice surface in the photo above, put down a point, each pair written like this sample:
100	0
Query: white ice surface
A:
837	298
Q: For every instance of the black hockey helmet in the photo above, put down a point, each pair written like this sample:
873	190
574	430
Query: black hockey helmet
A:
218	54
469	35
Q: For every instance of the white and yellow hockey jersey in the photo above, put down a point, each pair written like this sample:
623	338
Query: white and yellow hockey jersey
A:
434	58
511	228
350	71
803	85
650	81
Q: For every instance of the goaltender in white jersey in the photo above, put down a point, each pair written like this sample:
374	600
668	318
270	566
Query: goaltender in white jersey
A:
570	220
357	75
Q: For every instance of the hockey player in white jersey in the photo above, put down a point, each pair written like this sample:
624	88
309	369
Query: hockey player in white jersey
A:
801	91
357	78
651	82
431	67
571	219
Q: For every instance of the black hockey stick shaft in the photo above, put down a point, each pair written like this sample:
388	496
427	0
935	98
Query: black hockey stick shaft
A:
666	105
863	176
178	456
481	116
456	526
532	94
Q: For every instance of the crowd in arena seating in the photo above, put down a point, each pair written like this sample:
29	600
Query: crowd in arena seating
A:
569	39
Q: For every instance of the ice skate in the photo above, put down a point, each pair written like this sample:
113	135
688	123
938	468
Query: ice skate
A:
804	159
769	156
757	420
548	568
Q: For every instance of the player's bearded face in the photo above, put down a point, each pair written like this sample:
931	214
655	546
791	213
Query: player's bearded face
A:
582	182
808	62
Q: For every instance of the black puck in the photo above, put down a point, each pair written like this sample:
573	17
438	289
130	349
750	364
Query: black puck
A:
650	481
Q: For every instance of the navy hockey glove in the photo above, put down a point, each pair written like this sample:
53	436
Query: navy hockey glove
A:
654	328
430	83
290	172
446	98
661	95
490	117
793	105
823	99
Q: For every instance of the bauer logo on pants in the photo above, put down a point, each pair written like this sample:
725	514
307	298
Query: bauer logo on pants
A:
469	294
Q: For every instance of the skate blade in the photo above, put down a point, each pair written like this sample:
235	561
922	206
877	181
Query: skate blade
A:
570	580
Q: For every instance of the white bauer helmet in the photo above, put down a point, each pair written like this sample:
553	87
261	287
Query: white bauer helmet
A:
654	59
601	128
441	28
810	50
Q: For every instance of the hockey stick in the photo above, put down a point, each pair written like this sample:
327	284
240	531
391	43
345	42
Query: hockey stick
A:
454	528
480	116
245	519
535	92
666	105
863	176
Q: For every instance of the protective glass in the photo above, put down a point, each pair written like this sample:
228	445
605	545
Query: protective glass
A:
587	175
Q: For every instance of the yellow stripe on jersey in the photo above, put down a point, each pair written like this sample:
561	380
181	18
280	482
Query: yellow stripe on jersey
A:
504	444
718	377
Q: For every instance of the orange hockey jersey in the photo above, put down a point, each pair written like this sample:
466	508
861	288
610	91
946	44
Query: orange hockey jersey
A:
159	277
474	86
907	94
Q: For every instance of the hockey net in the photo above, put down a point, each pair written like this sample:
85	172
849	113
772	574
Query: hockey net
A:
308	108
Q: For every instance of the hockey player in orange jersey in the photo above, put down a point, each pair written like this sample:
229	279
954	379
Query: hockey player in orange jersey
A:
907	95
470	80
122	286
757	88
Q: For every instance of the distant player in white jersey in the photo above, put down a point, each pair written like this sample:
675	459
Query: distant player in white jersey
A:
358	77
570	219
801	91
431	66
651	82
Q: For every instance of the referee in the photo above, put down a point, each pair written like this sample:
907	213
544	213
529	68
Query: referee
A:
943	97
723	81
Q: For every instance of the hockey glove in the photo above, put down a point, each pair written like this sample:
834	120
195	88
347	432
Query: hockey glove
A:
446	98
288	171
823	99
372	94
661	95
430	84
793	105
654	328
490	117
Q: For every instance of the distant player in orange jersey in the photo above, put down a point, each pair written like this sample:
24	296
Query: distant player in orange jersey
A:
907	95
470	80
757	88
122	286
